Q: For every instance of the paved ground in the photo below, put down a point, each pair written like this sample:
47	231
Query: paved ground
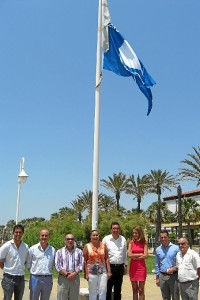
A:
152	291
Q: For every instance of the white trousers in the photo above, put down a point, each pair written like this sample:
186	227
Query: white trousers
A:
97	286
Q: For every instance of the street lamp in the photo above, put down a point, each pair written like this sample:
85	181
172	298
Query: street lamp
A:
22	177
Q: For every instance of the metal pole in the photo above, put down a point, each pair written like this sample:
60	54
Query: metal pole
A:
18	201
180	226
97	124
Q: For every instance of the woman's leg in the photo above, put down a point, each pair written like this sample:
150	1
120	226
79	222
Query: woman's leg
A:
102	286
93	286
141	290
135	288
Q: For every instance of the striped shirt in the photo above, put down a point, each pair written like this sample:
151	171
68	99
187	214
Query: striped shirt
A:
69	261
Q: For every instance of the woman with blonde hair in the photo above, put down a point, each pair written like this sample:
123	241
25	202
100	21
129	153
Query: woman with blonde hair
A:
138	252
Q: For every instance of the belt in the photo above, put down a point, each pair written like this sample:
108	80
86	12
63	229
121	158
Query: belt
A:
117	265
166	274
189	281
12	276
41	275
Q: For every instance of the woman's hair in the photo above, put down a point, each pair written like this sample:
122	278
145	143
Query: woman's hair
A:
141	234
91	231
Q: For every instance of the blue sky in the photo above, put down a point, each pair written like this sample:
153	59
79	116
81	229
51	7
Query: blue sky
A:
47	97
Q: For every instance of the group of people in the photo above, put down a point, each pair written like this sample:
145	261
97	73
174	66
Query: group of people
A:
177	269
104	263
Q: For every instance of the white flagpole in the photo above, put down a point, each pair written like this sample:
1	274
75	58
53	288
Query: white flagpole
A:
97	124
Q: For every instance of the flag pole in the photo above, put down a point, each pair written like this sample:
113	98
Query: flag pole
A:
97	123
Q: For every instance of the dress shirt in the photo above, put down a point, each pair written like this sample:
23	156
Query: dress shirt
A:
117	249
165	258
40	261
14	258
69	261
187	265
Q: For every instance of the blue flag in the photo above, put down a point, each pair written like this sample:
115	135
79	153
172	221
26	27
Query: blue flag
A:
122	60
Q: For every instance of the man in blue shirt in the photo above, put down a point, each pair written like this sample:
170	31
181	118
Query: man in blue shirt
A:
165	261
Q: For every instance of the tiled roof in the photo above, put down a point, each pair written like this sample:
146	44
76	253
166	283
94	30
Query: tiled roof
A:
188	194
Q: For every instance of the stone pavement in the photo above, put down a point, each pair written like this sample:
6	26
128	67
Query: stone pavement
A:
151	290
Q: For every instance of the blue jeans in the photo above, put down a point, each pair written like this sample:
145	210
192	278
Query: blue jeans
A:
13	284
40	287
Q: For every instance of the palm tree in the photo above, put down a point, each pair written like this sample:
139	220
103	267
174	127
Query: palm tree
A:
166	215
190	213
86	199
117	184
78	206
106	203
193	170
158	182
138	188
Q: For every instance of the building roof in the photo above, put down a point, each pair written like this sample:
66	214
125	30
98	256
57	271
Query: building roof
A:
187	194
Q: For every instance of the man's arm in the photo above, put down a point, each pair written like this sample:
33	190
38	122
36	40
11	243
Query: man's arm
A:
198	272
157	269
1	264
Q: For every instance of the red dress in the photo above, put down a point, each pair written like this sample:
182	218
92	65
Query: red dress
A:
137	269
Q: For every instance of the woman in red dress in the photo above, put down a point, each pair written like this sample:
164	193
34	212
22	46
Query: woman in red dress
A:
138	252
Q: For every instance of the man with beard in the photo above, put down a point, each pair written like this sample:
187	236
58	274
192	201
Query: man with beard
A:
41	262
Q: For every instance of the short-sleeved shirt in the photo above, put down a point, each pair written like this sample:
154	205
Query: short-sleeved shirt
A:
69	261
117	249
40	261
187	265
14	258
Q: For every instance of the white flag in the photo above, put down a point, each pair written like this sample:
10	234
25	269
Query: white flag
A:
105	22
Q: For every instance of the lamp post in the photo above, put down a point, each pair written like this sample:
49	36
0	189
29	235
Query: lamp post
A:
22	177
180	222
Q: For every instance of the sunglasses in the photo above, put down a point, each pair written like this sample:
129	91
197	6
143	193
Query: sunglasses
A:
181	244
69	239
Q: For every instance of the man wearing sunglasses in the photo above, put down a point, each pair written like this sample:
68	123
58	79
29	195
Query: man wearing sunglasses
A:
41	262
188	264
69	263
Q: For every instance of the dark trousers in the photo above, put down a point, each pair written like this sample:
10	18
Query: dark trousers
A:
115	281
13	285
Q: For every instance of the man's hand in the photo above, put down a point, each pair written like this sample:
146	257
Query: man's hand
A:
125	270
157	281
71	276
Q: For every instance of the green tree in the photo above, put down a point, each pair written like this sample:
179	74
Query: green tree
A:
158	182
190	213
138	188
78	206
106	203
116	184
86	199
192	171
166	215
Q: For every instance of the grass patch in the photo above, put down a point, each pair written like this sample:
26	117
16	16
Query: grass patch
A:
150	263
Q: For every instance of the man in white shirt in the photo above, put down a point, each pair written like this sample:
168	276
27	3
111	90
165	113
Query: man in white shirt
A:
41	262
188	264
117	251
13	257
